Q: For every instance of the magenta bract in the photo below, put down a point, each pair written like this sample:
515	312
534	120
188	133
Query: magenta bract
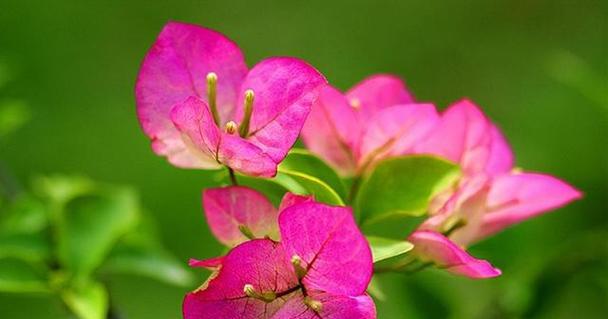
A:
490	196
374	120
435	247
190	96
319	269
235	212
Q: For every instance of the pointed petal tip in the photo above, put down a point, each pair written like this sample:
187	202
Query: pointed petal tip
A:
211	263
440	250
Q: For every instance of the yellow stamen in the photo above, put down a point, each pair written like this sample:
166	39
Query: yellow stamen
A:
246	231
315	305
249	290
244	128
265	296
231	127
296	261
212	96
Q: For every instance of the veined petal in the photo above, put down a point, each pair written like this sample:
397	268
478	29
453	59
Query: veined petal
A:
330	245
175	68
332	130
284	90
396	130
332	307
198	133
232	210
378	92
245	157
516	197
260	263
435	247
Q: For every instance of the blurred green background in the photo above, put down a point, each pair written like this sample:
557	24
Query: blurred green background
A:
538	67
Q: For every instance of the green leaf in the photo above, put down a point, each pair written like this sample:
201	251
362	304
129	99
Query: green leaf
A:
60	189
147	261
310	185
19	276
140	253
301	160
88	300
385	248
22	231
394	226
30	247
92	224
403	186
25	215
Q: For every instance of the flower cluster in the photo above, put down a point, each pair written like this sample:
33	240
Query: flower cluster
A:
202	108
308	260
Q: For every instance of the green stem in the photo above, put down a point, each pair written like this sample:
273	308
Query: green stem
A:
232	176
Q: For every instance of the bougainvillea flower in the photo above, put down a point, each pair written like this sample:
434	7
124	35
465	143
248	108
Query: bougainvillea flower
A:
491	195
483	207
489	181
376	119
202	107
320	269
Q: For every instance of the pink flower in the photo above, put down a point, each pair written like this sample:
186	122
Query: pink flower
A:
376	119
202	107
491	195
320	269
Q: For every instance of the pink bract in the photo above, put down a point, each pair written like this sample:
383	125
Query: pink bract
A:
232	210
374	120
435	247
491	195
319	269
173	106
236	212
466	136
